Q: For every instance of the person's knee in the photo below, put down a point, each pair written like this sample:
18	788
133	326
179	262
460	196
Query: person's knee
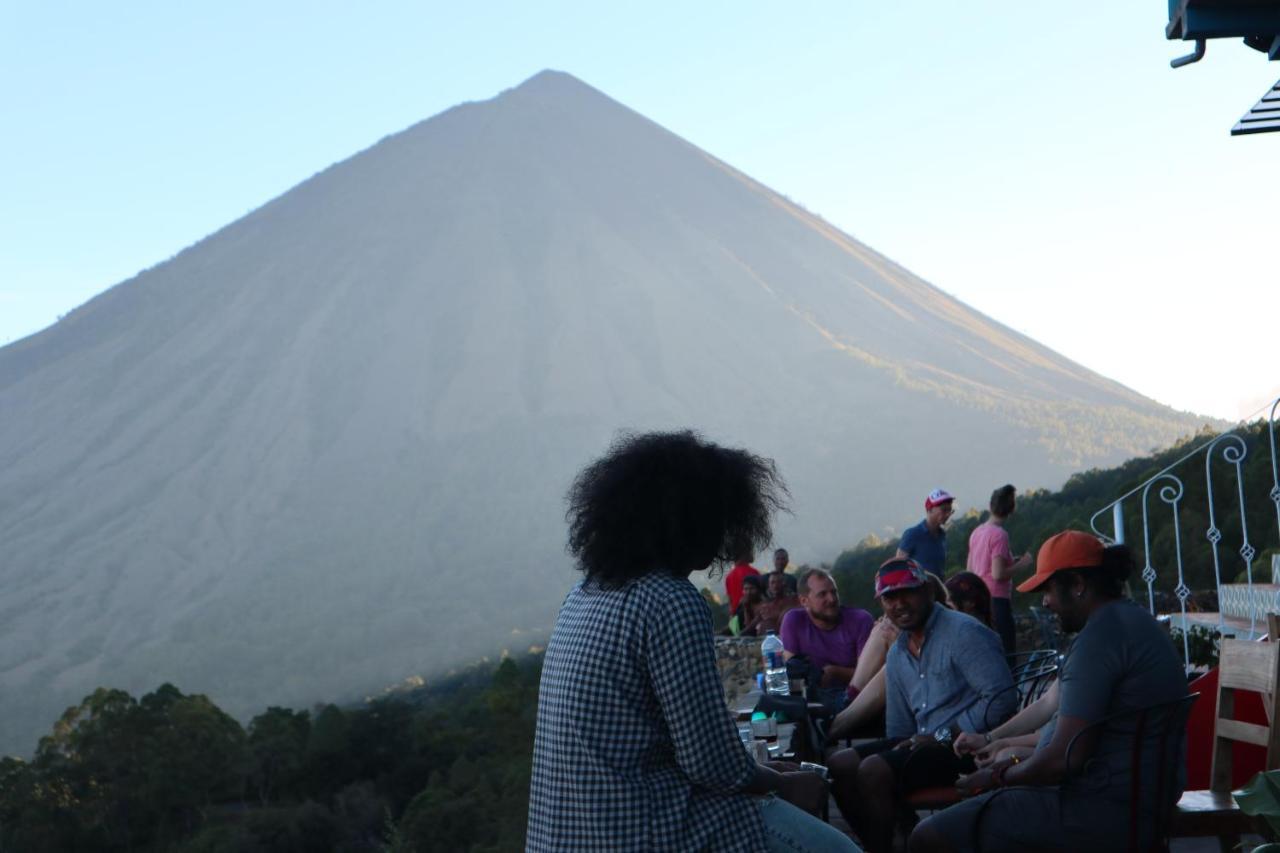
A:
844	764
925	838
875	775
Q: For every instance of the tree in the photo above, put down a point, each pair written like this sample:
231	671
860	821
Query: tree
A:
278	742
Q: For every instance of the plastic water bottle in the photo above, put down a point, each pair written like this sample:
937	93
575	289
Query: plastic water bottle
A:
775	667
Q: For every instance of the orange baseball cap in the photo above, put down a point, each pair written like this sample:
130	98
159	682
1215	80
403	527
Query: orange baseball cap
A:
1070	549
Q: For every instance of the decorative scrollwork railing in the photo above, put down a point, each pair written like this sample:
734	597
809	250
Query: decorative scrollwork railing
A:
1228	536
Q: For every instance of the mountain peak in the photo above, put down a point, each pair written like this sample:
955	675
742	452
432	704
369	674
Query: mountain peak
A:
550	83
253	468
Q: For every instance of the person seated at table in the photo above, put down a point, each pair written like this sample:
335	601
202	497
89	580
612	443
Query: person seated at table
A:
970	595
831	636
942	675
746	620
635	748
1120	662
864	715
865	712
777	604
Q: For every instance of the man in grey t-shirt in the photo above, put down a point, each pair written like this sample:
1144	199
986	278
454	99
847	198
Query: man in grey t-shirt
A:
1120	662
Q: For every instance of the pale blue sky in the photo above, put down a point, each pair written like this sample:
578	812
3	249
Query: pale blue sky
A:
1041	162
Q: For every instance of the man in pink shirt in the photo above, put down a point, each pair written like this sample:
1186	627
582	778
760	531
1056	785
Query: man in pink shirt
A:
991	559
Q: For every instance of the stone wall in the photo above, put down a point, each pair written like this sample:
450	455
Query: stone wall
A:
738	659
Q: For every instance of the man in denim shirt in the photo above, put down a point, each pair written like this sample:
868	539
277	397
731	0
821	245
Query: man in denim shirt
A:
941	675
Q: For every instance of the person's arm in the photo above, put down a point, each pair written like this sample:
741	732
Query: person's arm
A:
1022	746
898	719
906	544
1002	568
678	654
836	676
805	789
1047	766
1087	682
1024	723
871	659
865	707
789	633
979	657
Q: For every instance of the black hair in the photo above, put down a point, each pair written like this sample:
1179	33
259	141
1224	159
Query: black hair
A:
1106	580
1002	501
940	591
967	587
756	581
669	501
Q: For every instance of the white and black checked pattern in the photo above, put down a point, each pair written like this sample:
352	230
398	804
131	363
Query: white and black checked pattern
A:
635	747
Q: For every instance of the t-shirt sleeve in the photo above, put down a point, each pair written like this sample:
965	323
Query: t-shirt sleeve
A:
789	631
679	651
1000	546
1091	671
908	541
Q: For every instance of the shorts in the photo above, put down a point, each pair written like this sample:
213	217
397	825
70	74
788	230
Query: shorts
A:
1012	820
929	766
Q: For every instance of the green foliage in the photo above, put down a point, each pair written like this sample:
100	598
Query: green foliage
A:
173	772
447	767
1042	513
719	611
1202	645
120	774
278	741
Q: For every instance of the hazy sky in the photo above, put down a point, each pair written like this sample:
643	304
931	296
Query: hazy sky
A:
1041	162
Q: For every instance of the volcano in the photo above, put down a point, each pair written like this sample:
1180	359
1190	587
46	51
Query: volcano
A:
326	448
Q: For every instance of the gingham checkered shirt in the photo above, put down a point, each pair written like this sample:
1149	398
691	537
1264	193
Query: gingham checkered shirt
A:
635	748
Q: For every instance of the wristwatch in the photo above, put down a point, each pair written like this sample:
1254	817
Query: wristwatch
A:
944	735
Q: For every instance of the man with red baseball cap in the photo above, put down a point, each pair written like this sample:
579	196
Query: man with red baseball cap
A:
1120	663
926	543
944	674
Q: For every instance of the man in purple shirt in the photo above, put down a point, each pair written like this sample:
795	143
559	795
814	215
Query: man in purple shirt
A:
831	636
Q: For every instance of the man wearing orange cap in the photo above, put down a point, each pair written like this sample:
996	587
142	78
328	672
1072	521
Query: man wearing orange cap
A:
1120	662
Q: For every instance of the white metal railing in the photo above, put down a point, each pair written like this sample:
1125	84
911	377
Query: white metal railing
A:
1227	449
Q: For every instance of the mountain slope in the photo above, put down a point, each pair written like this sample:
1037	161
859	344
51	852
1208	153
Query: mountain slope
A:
326	447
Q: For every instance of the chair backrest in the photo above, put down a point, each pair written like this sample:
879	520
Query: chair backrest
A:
1254	666
1029	686
1157	735
1021	662
1047	622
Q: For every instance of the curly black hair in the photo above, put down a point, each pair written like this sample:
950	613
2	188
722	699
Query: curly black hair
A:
966	587
669	501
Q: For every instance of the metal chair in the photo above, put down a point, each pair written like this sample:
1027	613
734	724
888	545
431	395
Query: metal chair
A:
1155	735
1030	687
1050	631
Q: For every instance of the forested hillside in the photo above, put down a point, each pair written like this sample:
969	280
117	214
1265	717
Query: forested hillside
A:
1040	514
446	767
